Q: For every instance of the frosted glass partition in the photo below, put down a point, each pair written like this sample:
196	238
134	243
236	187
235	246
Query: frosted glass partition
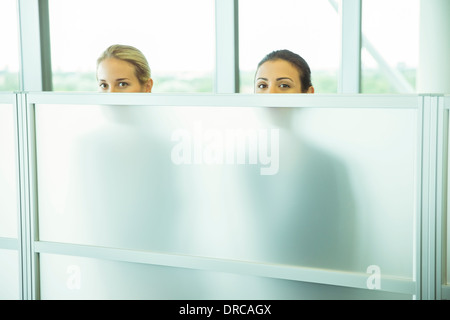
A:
8	168
323	182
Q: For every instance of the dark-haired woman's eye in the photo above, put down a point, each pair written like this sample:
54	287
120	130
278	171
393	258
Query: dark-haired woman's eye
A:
262	86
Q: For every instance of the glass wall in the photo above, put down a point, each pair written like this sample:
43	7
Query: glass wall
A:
390	46
176	36
278	186
176	196
309	28
9	55
218	190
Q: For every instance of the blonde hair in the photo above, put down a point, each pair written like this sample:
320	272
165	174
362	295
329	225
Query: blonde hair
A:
131	55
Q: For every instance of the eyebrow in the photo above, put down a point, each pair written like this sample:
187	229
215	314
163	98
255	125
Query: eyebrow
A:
278	79
284	78
120	79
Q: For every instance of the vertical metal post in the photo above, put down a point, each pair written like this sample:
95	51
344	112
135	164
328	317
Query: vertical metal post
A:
350	70
431	193
441	196
227	46
27	196
34	31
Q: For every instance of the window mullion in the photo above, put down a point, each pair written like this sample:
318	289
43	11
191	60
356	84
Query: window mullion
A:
35	63
350	71
227	50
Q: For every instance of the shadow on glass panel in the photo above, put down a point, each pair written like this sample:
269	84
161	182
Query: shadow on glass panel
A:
284	202
305	213
119	192
281	201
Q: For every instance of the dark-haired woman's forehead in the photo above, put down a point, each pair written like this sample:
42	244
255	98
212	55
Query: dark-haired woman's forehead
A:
273	72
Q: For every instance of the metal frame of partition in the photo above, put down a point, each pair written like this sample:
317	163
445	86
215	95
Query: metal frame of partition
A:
429	280
443	227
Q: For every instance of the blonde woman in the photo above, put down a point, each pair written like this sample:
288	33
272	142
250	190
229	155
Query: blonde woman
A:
123	68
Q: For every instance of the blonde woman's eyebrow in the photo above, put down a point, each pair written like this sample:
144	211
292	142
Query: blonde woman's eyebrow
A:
265	79
122	79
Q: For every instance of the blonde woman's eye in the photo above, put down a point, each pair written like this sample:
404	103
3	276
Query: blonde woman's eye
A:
123	84
102	85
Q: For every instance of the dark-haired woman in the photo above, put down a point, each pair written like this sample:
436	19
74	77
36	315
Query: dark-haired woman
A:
283	71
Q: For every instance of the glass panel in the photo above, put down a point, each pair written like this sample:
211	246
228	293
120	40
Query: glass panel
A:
165	31
268	25
390	53
368	148
9	55
68	277
9	275
330	188
8	173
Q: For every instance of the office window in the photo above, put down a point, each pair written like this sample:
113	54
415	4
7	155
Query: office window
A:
390	46
9	54
309	28
176	36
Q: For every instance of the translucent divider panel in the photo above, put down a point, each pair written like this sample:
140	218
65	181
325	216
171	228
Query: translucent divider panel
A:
70	277
9	275
372	182
330	188
8	172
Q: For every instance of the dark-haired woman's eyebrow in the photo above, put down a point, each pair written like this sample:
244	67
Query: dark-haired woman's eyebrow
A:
285	78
